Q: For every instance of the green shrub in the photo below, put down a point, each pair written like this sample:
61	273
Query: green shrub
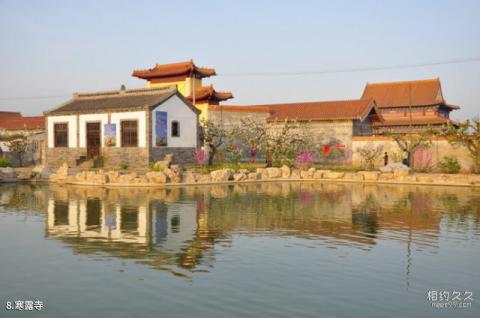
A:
157	167
5	162
124	166
449	164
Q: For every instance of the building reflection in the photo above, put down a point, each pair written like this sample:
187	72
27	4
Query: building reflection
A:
177	229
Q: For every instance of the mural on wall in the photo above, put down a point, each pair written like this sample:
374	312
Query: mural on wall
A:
110	135
161	129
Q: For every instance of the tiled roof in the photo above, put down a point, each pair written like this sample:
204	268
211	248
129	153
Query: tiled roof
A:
232	108
329	110
209	93
21	123
121	99
414	121
174	69
405	93
5	114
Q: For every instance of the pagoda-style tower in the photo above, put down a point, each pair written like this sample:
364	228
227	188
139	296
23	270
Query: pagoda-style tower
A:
187	77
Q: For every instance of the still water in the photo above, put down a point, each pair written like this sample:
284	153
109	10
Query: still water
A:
265	250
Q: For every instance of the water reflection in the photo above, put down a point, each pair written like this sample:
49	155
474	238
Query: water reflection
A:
178	229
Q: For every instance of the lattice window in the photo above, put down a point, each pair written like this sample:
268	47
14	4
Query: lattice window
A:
129	130
60	132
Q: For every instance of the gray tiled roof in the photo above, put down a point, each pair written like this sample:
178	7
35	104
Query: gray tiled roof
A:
122	99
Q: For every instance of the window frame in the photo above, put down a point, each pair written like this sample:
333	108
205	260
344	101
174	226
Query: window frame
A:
122	139
178	128
55	141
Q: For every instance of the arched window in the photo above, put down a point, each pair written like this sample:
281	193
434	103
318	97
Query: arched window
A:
175	129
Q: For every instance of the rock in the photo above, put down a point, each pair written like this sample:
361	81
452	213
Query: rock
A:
156	177
295	174
127	178
410	178
424	178
113	176
81	176
474	179
307	174
204	178
62	172
164	164
333	175
286	172
243	171
353	176
8	174
385	176
253	176
189	178
385	169
263	173
169	157
260	170
398	169
274	173
370	175
178	169
173	175
239	176
401	172
24	173
221	175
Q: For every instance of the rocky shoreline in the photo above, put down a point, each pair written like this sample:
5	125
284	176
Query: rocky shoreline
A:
175	176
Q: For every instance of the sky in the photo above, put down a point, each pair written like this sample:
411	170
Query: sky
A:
56	48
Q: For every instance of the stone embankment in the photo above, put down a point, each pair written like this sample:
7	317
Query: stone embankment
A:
174	175
167	174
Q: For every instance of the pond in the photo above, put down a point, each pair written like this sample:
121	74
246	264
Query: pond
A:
246	250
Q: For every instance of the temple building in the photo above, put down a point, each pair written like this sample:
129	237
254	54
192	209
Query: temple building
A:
125	128
187	77
409	106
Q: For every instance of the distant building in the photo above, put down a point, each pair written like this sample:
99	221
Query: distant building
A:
409	105
32	128
187	77
130	128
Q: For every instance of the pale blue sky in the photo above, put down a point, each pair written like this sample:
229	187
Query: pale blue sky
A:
60	47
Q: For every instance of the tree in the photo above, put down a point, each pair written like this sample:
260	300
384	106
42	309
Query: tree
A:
284	140
214	136
251	133
466	134
409	142
370	154
18	147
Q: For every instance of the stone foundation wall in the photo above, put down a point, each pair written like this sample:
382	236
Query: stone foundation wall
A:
134	157
55	157
181	155
114	157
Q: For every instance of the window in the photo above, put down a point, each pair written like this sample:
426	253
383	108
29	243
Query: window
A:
60	132
129	133
175	129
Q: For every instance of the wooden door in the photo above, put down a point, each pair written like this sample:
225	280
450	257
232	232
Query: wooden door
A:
93	140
